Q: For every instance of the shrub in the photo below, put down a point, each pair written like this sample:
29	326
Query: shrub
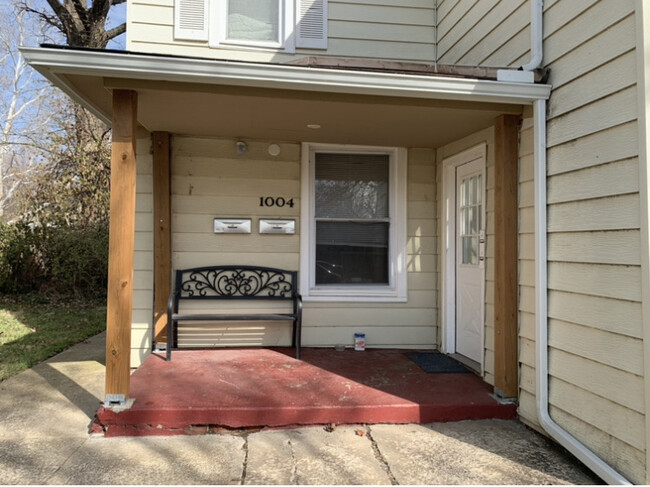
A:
66	260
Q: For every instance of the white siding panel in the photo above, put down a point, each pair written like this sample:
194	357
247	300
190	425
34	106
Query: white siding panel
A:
609	78
614	213
609	281
589	24
615	144
616	247
609	44
621	456
614	110
618	351
485	32
607	382
595	182
623	423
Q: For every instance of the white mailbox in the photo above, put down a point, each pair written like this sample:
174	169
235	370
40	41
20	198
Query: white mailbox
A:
232	225
287	227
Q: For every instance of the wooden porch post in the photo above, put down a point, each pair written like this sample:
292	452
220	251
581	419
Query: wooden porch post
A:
162	233
120	247
506	251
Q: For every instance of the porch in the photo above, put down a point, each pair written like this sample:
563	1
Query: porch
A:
216	139
203	391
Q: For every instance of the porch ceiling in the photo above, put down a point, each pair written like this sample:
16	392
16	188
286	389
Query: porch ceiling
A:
284	115
275	102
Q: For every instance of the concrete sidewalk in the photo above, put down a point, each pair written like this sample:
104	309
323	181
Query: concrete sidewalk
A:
46	411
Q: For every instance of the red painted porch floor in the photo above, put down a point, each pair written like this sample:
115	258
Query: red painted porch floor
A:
240	388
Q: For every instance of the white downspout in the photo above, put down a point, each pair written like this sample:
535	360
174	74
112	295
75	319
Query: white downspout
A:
525	74
536	35
586	456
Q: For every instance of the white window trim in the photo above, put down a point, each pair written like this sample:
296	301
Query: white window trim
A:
396	290
218	22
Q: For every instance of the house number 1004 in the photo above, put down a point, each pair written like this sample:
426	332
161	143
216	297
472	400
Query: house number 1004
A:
280	202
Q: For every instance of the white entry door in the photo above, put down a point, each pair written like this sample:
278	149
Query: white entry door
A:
470	258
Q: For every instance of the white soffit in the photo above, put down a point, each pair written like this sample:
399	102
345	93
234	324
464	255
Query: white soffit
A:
56	63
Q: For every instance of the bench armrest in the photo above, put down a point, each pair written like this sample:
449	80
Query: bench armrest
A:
172	305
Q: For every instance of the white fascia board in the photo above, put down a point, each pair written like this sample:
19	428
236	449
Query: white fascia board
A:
51	62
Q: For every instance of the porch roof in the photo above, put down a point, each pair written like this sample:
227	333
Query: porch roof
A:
207	97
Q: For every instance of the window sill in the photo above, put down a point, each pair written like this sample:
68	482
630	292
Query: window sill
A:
354	296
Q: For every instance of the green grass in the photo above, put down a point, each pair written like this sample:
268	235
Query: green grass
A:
33	329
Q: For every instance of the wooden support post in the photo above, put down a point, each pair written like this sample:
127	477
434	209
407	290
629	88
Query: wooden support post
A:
120	247
162	233
506	176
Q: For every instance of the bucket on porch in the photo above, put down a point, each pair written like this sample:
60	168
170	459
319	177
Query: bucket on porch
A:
360	342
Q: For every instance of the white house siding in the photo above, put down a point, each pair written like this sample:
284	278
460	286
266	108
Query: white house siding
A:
594	275
384	29
486	33
485	136
141	330
209	179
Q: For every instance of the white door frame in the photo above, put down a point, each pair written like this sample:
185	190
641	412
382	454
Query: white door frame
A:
448	299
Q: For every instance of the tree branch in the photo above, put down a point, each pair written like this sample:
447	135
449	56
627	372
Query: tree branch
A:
116	31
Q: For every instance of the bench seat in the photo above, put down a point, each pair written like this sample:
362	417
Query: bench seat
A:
233	283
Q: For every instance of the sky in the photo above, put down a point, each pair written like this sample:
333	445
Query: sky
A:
116	16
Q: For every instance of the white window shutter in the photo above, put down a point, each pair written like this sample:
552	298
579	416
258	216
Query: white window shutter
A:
191	20
311	24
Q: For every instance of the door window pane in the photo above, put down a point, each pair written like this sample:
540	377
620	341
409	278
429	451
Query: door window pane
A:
470	218
253	20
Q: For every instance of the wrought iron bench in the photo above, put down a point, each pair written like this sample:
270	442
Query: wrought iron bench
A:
236	283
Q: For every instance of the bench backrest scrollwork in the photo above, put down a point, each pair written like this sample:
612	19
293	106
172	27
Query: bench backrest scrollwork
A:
236	282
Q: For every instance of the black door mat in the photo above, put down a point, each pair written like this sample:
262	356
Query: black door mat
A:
436	363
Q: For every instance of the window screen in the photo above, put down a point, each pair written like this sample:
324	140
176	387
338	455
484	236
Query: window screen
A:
352	218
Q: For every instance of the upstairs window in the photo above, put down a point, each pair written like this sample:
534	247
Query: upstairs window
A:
267	24
260	23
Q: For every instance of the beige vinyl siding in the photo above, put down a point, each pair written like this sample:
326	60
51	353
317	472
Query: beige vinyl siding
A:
487	33
142	321
485	136
210	180
596	382
384	29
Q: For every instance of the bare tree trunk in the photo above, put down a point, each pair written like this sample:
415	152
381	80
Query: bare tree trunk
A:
82	24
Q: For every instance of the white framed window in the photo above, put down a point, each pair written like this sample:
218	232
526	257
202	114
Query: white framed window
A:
259	24
353	220
252	23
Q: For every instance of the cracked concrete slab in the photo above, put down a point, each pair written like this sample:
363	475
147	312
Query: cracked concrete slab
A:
207	459
475	452
313	456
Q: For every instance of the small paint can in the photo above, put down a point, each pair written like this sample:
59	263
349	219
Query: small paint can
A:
359	342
